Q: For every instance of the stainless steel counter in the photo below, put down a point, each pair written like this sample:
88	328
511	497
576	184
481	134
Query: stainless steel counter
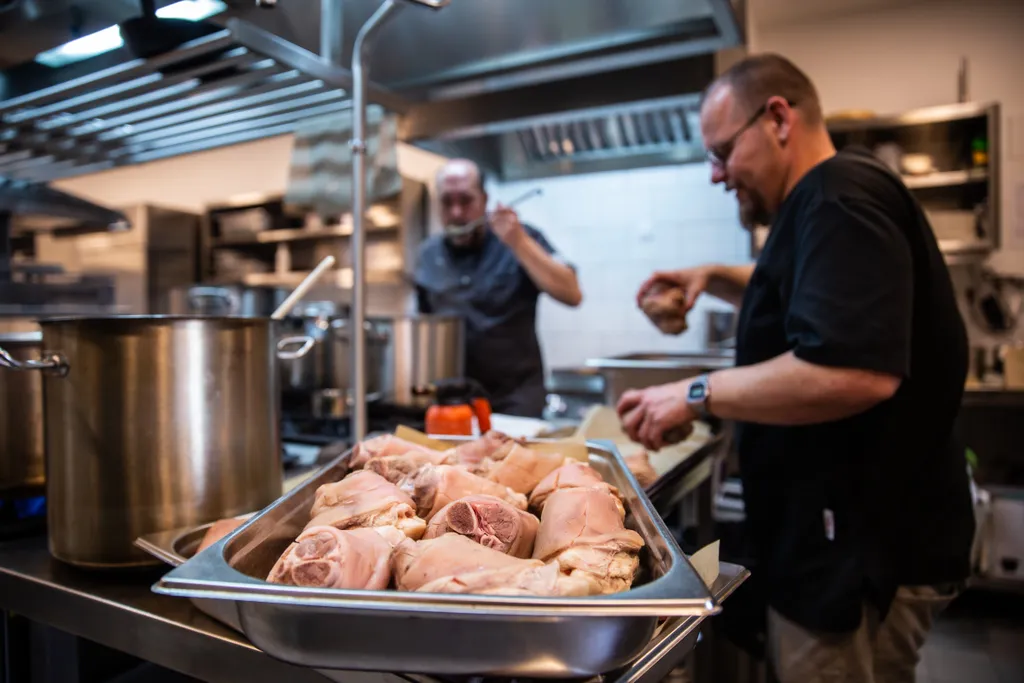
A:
119	611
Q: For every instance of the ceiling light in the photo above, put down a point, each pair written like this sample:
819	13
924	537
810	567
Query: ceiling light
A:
109	38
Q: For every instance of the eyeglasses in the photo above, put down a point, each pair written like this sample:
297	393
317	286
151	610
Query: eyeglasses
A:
719	154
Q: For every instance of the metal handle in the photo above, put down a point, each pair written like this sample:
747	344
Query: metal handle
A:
197	294
372	332
51	363
305	344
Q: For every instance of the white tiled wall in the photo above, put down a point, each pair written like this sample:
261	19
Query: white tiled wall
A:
617	228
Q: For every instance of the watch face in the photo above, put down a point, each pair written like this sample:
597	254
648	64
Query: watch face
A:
696	391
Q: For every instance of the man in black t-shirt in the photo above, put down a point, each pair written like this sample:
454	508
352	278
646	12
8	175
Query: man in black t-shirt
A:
851	359
490	270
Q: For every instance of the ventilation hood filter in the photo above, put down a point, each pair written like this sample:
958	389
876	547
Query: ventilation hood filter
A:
217	90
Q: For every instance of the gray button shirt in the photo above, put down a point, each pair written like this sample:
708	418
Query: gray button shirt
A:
495	296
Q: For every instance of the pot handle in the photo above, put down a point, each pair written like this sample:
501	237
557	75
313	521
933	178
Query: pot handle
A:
305	344
373	333
197	294
51	363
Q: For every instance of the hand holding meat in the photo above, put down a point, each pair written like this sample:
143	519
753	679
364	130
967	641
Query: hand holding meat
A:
657	416
665	306
692	282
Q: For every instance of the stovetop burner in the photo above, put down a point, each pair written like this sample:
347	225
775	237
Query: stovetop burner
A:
334	434
22	515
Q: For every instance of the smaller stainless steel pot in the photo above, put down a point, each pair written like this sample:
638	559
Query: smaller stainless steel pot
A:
328	365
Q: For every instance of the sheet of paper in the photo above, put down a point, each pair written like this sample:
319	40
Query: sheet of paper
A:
705	562
420	439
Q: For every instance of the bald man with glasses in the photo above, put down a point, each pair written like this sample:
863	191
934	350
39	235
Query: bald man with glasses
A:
851	358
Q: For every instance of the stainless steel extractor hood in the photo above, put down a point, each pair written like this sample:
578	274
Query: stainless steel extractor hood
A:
473	77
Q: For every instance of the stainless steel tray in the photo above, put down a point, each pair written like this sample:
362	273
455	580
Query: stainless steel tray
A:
443	634
672	641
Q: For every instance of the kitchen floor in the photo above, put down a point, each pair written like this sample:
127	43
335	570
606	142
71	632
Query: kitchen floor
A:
979	639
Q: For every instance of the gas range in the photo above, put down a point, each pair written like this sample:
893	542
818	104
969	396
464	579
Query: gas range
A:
309	439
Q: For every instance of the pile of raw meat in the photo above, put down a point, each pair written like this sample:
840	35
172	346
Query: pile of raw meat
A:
491	516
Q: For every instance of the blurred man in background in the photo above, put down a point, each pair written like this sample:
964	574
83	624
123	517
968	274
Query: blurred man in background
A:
490	270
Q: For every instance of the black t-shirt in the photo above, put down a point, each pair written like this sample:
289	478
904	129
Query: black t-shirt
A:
844	512
493	293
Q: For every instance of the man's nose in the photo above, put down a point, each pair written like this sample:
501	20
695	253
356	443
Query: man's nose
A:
718	174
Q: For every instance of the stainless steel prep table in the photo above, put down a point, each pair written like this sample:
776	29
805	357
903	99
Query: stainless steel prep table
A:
119	611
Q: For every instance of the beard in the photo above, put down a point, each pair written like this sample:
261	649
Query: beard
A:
456	238
753	211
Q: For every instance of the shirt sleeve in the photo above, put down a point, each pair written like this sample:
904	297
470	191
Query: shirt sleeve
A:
547	246
852	299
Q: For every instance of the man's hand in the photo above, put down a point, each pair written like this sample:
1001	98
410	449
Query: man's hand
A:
693	282
657	416
505	224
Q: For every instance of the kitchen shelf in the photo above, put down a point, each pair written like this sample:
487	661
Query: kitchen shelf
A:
295	235
946	178
340	277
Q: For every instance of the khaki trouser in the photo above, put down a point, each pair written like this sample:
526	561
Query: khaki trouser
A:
885	652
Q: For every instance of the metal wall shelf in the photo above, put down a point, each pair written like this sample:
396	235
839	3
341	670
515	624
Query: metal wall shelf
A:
294	235
946	178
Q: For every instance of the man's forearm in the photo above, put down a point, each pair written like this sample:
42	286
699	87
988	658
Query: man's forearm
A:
788	391
728	283
551	277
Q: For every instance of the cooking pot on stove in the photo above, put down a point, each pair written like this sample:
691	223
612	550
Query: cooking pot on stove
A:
154	423
221	300
326	369
21	416
421	350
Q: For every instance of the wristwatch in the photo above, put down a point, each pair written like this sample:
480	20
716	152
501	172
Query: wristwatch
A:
698	395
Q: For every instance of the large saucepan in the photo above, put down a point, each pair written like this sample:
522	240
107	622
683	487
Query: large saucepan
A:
152	423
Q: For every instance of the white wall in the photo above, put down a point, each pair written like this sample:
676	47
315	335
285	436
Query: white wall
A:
890	60
617	228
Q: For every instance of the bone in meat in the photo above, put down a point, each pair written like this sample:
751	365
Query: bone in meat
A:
365	499
665	306
436	486
518	467
379	446
418	563
639	464
489	521
326	557
568	476
472	453
582	529
398	468
521	580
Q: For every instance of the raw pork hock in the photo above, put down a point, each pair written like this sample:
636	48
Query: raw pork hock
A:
365	499
325	557
489	521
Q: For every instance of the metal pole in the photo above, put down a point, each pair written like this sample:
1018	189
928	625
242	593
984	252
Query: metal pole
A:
332	31
360	53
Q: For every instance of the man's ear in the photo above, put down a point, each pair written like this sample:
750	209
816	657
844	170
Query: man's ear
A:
782	115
